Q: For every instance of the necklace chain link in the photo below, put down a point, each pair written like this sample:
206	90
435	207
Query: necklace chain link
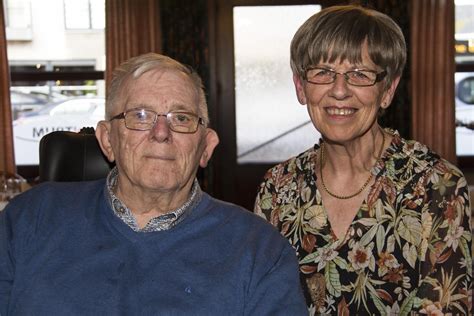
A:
346	197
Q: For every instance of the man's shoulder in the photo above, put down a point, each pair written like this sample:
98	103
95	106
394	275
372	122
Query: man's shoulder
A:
60	190
228	209
47	199
238	219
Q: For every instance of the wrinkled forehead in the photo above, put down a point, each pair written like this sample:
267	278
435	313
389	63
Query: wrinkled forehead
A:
160	83
161	76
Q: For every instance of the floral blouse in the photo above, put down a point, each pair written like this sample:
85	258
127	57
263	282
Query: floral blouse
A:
408	250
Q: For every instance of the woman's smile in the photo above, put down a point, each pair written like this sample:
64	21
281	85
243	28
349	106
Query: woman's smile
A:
338	111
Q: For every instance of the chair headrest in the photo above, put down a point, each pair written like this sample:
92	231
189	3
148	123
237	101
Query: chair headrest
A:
70	156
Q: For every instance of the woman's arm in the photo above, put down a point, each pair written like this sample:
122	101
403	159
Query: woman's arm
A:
446	268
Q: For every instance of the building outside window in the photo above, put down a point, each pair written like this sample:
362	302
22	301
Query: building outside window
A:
464	77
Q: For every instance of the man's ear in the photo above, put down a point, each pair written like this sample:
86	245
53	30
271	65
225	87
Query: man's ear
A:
211	140
388	95
102	133
300	94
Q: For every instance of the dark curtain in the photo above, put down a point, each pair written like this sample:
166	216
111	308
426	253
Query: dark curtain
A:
187	37
398	115
7	161
185	30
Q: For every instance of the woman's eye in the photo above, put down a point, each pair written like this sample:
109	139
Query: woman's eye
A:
322	73
359	75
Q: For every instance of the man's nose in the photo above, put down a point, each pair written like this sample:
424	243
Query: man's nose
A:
161	130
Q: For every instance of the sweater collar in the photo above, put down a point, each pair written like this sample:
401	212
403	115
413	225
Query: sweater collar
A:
159	223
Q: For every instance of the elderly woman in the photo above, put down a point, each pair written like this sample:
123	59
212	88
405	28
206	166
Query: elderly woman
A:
380	223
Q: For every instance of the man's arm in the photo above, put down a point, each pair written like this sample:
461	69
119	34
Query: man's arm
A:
276	288
6	263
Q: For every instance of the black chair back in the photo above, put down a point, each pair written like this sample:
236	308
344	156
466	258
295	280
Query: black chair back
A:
70	156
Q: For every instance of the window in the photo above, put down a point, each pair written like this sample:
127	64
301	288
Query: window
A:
464	77
84	14
268	116
56	75
18	19
18	14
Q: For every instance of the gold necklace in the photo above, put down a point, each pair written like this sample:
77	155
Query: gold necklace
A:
346	197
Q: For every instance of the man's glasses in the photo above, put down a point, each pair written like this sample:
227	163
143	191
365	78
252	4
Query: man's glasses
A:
359	78
144	120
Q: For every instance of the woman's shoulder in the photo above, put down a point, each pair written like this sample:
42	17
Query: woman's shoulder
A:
417	153
414	157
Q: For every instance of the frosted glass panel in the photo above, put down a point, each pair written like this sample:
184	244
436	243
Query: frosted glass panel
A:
271	125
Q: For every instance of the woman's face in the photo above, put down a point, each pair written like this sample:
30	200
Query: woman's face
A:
342	112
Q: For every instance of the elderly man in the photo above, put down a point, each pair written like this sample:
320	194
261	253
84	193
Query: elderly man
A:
146	240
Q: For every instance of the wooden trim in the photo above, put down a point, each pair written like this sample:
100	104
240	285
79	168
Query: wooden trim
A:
466	162
432	69
7	163
63	75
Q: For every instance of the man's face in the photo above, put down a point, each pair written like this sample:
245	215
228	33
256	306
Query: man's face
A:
158	160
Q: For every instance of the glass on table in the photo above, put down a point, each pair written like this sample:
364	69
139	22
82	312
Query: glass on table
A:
10	186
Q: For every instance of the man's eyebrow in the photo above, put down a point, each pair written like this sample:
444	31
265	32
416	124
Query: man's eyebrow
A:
173	107
132	105
180	107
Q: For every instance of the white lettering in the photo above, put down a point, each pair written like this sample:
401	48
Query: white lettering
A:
39	132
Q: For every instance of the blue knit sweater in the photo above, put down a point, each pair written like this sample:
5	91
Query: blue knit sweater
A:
64	252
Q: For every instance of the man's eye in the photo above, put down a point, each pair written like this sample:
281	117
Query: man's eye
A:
141	115
182	118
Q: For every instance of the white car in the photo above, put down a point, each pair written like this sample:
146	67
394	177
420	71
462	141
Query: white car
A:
70	115
464	113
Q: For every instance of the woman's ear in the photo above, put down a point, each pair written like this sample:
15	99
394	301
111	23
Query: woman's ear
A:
389	93
102	133
210	142
300	94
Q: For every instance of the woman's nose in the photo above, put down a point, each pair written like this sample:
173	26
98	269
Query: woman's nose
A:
340	87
